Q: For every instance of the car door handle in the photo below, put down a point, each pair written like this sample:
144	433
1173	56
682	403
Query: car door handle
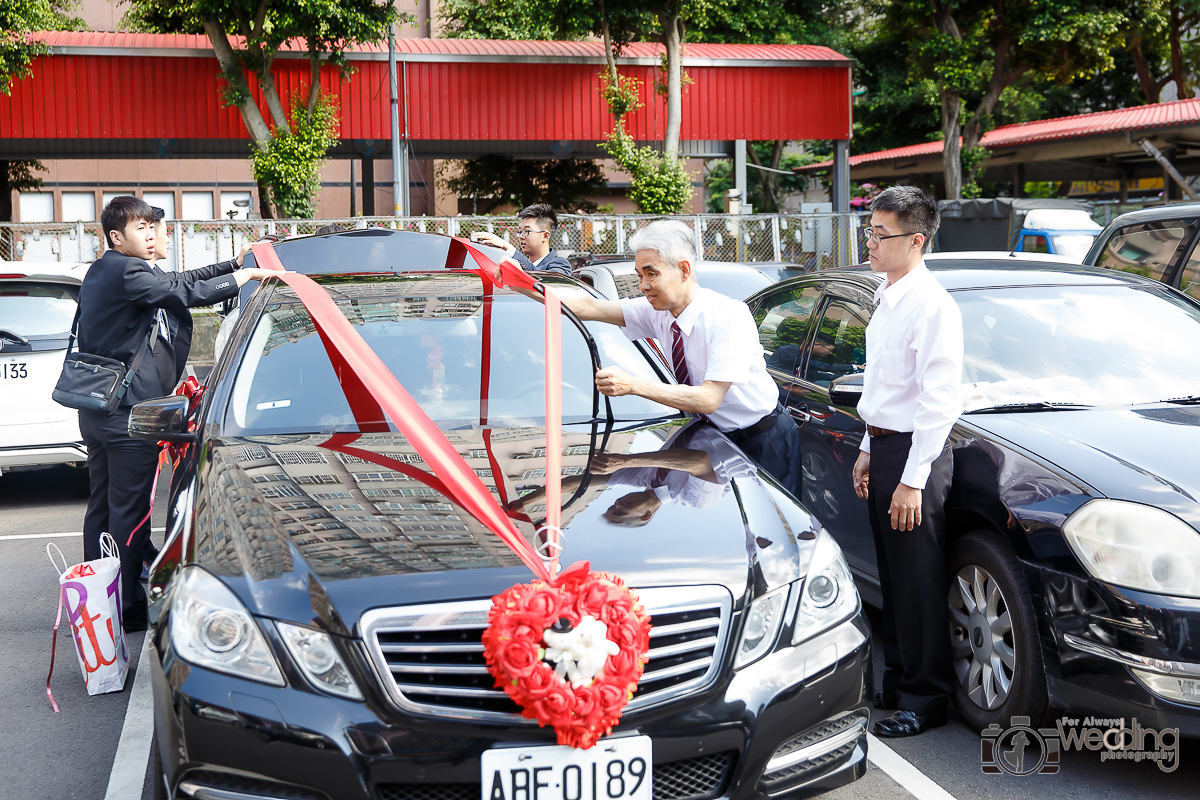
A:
800	413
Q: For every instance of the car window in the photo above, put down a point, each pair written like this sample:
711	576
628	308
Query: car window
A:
431	339
1150	249
1189	280
839	346
1092	345
36	309
783	321
1034	244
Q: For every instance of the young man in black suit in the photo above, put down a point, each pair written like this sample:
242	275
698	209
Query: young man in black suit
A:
535	227
122	297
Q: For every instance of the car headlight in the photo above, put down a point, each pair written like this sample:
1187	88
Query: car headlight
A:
319	659
763	619
1136	546
211	628
828	596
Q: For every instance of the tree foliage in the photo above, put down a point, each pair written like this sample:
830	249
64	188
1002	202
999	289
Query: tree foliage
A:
289	168
17	18
246	36
498	180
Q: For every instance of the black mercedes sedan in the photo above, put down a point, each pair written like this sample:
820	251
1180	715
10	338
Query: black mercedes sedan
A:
318	606
1074	515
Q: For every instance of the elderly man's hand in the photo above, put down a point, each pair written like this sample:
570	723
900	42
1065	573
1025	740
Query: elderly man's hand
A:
905	509
614	382
607	463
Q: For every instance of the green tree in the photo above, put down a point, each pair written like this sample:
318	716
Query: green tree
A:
326	28
975	49
766	190
1160	40
498	180
17	52
660	184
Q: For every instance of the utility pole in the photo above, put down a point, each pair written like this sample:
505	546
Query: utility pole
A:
399	151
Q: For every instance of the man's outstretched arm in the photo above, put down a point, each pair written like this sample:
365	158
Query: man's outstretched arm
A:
581	303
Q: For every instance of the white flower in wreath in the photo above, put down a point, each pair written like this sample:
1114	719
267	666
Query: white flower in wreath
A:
579	654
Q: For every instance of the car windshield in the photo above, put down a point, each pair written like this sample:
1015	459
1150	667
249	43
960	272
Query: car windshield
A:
736	283
430	333
36	309
1089	345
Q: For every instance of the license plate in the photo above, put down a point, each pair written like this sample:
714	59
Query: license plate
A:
14	370
614	769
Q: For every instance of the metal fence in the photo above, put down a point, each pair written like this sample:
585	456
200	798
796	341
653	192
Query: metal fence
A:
815	241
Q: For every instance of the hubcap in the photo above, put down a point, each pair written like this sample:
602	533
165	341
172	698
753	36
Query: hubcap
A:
981	637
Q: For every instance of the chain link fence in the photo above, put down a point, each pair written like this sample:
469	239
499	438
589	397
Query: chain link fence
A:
813	241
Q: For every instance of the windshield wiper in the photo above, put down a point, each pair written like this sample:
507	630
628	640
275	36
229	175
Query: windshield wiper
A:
1184	401
1016	408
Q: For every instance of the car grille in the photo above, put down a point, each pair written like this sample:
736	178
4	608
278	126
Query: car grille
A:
429	658
697	778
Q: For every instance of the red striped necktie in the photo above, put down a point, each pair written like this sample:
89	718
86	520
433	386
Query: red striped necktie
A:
681	370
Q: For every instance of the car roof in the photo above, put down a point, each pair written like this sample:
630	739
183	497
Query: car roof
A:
46	271
977	273
1003	255
1156	213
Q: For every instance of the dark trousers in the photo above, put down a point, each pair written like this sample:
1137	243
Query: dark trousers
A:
776	450
912	575
121	470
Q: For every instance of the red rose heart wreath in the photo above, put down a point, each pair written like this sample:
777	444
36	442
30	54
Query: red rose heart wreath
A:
533	624
569	647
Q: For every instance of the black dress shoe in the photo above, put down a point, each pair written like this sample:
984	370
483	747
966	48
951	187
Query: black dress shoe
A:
885	701
906	723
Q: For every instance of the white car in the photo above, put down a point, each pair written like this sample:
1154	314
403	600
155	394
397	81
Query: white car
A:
37	305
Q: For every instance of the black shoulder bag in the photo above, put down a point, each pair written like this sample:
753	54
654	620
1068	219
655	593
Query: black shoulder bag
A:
95	383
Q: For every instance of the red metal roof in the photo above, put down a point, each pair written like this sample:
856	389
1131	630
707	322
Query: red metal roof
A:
1173	114
462	47
451	89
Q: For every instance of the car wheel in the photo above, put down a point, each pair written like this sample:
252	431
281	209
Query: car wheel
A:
993	634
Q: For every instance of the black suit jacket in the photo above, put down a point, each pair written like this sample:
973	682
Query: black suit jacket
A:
553	262
120	298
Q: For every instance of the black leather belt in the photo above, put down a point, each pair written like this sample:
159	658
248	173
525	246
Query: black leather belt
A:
750	431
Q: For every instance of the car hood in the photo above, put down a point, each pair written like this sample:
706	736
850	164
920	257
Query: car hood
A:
318	533
1144	454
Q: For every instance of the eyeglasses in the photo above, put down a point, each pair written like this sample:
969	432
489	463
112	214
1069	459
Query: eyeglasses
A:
871	236
522	233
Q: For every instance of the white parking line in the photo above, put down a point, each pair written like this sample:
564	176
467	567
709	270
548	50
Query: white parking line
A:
911	779
128	774
56	535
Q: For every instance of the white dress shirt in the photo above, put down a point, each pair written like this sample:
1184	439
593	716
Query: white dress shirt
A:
720	343
914	368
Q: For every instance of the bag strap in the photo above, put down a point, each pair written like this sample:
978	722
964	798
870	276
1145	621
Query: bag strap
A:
108	546
74	331
137	359
57	569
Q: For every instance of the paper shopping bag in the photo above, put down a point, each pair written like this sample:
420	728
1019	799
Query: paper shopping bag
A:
91	593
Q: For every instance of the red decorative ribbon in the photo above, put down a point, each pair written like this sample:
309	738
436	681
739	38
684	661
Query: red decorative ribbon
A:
373	391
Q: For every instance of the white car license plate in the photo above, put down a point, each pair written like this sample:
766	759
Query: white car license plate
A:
14	370
614	769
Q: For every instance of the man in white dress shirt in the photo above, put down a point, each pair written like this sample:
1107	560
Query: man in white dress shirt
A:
909	402
712	343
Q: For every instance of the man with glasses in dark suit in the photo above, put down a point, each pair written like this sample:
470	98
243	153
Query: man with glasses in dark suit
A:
535	227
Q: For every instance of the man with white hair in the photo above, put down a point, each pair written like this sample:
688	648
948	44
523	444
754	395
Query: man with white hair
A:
714	350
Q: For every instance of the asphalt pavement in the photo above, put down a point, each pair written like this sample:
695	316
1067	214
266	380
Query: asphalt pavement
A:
97	748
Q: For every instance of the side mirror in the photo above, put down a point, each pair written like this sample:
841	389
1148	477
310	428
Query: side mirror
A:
844	391
163	419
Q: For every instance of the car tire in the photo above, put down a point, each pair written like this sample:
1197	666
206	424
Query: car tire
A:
993	634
